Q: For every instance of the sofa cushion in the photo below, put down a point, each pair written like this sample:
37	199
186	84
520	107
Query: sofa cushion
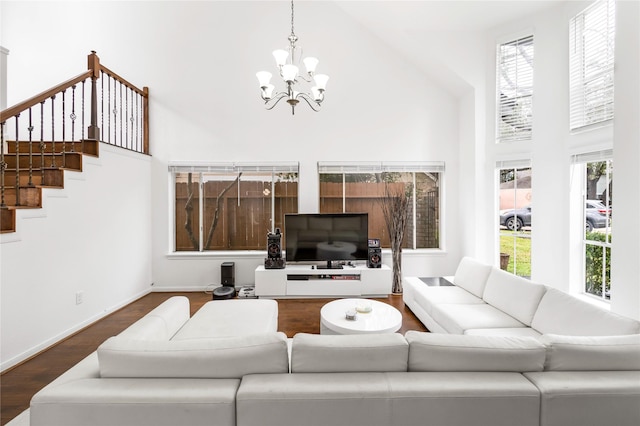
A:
561	313
513	295
472	275
227	357
427	296
505	332
451	352
566	353
236	317
457	318
162	322
314	353
588	398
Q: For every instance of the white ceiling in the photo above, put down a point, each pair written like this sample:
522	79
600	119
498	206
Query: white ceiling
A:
442	15
409	26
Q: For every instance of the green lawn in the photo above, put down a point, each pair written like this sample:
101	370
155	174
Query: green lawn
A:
523	251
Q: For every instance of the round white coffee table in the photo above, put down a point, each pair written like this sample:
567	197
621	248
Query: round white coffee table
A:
383	318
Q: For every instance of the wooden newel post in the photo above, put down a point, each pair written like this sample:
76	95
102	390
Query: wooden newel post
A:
93	132
145	120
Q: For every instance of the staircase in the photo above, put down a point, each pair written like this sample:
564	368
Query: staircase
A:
27	166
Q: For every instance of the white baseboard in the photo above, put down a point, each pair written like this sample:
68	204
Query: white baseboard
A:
58	338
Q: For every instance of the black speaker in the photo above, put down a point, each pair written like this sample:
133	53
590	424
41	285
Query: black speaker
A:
228	274
274	258
374	259
274	245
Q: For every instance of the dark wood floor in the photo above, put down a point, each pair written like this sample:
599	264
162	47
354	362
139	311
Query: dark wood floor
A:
19	384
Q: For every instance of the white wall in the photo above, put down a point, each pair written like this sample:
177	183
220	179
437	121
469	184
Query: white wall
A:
93	236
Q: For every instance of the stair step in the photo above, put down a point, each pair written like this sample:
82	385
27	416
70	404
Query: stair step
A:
29	196
52	177
86	146
7	220
72	160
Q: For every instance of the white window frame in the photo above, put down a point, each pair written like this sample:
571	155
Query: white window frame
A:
509	164
591	66
578	163
514	84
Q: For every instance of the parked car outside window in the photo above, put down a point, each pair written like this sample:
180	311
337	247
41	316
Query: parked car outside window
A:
516	219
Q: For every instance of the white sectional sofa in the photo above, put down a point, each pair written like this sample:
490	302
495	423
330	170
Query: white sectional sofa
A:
485	300
227	365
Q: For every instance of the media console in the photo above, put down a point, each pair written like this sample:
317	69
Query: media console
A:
305	281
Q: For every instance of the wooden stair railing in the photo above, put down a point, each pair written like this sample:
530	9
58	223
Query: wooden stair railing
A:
52	121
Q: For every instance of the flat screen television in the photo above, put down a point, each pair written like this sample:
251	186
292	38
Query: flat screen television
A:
333	238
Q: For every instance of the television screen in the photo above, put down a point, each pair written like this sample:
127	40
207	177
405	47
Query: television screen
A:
326	237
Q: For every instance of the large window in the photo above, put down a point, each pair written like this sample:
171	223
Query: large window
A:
515	216
361	187
597	169
231	206
591	55
514	71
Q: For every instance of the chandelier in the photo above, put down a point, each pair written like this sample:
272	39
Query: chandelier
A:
288	62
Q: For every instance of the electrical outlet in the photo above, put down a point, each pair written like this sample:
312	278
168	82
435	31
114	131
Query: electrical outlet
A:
79	297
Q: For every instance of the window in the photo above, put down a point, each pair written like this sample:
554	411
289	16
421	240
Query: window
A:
515	89
361	188
231	206
591	57
515	216
597	216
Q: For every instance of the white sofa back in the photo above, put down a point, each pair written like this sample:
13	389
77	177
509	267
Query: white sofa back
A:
162	322
217	358
314	353
472	275
513	295
561	313
458	352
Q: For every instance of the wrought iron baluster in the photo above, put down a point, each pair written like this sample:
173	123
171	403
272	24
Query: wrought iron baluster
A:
64	137
73	118
53	131
17	161
126	117
83	109
30	128
115	112
109	108
120	114
138	122
42	144
102	101
3	165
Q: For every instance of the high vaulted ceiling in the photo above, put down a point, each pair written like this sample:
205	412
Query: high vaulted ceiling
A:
424	32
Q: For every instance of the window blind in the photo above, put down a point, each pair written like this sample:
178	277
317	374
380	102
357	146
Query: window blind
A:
380	167
592	157
591	60
280	167
513	164
515	89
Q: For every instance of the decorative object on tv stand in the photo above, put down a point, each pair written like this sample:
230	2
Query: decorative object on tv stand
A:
274	258
396	205
288	62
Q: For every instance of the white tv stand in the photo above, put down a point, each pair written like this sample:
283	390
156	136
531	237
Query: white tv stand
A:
305	281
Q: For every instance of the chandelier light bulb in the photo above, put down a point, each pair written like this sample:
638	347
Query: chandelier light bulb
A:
289	73
310	64
268	91
264	77
321	81
316	93
280	56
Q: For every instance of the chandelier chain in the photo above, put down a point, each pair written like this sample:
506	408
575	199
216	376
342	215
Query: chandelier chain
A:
292	33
